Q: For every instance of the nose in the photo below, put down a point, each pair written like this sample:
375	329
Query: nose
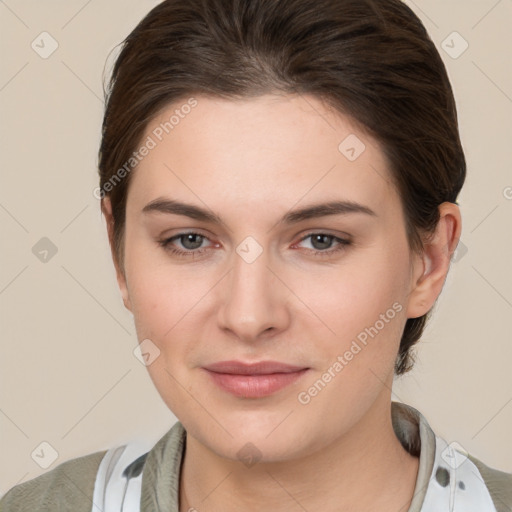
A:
254	299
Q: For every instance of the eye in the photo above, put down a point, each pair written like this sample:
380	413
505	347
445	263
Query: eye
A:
190	241
322	243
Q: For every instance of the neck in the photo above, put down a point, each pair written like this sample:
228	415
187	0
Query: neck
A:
365	469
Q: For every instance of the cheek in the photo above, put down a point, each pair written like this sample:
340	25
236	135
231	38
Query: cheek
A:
162	304
366	310
163	296
352	298
365	307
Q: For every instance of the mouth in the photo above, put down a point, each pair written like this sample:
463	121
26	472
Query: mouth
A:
255	380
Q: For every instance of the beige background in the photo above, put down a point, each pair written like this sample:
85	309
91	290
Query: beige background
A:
68	374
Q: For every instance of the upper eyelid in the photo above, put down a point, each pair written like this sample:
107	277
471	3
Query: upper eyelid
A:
320	232
343	240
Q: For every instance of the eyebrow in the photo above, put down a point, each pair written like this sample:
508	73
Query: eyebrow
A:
170	206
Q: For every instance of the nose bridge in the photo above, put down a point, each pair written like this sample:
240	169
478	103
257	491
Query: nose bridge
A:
253	301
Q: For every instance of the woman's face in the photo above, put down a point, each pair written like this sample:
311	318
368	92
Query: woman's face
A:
265	276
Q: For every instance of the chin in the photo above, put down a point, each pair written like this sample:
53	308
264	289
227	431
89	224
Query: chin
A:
256	436
250	449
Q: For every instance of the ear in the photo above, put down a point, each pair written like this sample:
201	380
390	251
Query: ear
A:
106	208
431	268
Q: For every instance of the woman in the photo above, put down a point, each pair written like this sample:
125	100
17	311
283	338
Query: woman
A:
279	182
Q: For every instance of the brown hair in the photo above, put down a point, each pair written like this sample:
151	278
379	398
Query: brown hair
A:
370	60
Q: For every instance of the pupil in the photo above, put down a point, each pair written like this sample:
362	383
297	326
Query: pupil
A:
190	238
326	239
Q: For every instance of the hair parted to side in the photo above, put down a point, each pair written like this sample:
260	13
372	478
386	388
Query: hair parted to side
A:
370	60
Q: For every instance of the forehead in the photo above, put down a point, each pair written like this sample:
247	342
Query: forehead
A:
269	150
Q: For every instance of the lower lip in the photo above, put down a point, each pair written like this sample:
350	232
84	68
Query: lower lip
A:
255	386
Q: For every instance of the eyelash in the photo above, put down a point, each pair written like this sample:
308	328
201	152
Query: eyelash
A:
166	244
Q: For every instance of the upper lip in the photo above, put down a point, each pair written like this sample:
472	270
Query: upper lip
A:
259	368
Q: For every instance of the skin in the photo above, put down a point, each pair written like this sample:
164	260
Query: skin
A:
251	161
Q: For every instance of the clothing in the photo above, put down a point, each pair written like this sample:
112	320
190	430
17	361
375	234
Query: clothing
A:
130	478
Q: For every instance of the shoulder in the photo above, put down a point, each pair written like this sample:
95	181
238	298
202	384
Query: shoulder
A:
106	478
459	477
69	486
498	483
448	475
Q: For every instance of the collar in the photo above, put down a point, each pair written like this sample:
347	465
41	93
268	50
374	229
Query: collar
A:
133	479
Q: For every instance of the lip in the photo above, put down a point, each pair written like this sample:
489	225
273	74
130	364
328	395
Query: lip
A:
253	380
259	368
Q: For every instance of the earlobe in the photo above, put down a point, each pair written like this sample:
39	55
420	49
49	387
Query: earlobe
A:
431	268
106	208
